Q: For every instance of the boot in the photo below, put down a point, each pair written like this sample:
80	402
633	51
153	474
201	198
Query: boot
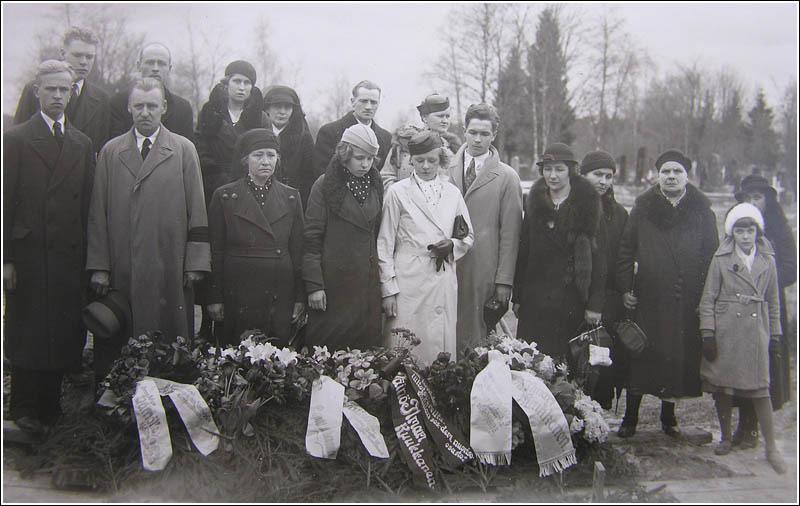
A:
669	424
746	435
628	426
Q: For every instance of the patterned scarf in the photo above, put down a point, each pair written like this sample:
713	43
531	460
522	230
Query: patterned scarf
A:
432	190
259	192
358	186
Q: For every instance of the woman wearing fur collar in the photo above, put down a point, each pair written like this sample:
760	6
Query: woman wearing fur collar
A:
561	267
672	235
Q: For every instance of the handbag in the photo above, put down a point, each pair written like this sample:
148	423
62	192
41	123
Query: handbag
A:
632	336
460	228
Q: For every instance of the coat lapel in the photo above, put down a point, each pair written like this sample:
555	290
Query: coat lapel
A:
489	171
248	209
43	142
70	153
418	198
162	150
277	205
457	169
130	156
87	107
353	212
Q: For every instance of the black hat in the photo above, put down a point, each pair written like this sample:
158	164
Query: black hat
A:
597	160
674	155
257	138
754	182
109	316
433	103
493	311
424	142
242	67
281	95
557	152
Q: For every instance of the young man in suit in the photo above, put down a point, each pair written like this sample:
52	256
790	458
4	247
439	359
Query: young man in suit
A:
48	169
88	108
365	101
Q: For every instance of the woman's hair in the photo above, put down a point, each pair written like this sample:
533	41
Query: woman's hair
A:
746	222
444	157
243	161
344	152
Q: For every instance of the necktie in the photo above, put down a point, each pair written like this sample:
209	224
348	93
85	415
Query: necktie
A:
58	134
470	177
73	102
146	148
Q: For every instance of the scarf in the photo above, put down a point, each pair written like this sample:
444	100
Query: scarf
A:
259	192
432	190
358	186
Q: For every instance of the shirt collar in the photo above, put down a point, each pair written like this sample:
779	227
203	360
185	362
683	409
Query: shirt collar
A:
277	131
479	160
359	121
50	121
674	200
140	138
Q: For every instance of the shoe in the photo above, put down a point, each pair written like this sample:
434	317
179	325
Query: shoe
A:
723	448
626	431
776	461
671	430
30	425
745	439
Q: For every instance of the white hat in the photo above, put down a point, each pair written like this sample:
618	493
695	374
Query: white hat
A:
743	210
363	137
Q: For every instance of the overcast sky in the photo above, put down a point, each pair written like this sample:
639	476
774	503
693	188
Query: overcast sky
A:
394	44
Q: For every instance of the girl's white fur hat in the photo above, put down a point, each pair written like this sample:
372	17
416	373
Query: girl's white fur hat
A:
743	210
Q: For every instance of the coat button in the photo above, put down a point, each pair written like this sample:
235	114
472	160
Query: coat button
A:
291	197
234	196
278	251
754	315
738	315
439	310
225	196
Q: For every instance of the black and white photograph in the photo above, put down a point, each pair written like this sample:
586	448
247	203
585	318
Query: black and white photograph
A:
384	252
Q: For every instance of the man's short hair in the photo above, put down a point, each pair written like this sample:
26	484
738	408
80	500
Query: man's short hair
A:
147	84
81	34
48	67
367	84
483	111
151	44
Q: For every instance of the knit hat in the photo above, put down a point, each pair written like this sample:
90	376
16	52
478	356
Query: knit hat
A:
558	152
257	138
424	142
433	103
362	137
673	155
743	210
281	95
241	67
597	160
757	183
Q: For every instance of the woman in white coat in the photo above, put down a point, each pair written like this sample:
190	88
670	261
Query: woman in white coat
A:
425	229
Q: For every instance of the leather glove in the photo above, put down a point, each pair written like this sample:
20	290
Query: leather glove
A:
710	348
100	282
441	251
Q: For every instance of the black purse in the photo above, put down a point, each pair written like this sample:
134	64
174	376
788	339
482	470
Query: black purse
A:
631	335
460	228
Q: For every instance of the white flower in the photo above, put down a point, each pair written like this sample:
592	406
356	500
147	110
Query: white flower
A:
321	353
286	356
228	353
260	352
212	350
481	351
546	368
576	425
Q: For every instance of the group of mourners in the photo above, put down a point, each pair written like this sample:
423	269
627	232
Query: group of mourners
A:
363	231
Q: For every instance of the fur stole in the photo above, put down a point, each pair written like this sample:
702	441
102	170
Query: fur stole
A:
334	186
655	207
215	110
580	224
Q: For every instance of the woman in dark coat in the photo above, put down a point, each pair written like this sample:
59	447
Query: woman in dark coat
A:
757	191
234	107
672	234
288	121
340	263
256	231
599	168
560	277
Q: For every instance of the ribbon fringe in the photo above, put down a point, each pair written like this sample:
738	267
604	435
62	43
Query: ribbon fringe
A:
557	465
494	458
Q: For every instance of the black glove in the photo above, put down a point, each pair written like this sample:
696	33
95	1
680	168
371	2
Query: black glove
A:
710	348
441	250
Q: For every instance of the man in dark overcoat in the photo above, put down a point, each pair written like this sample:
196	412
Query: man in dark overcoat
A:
48	169
671	234
365	101
88	109
155	60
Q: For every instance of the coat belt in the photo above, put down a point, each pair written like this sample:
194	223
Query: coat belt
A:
257	252
741	299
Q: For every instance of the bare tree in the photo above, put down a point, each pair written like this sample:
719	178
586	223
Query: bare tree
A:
265	58
337	98
449	70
